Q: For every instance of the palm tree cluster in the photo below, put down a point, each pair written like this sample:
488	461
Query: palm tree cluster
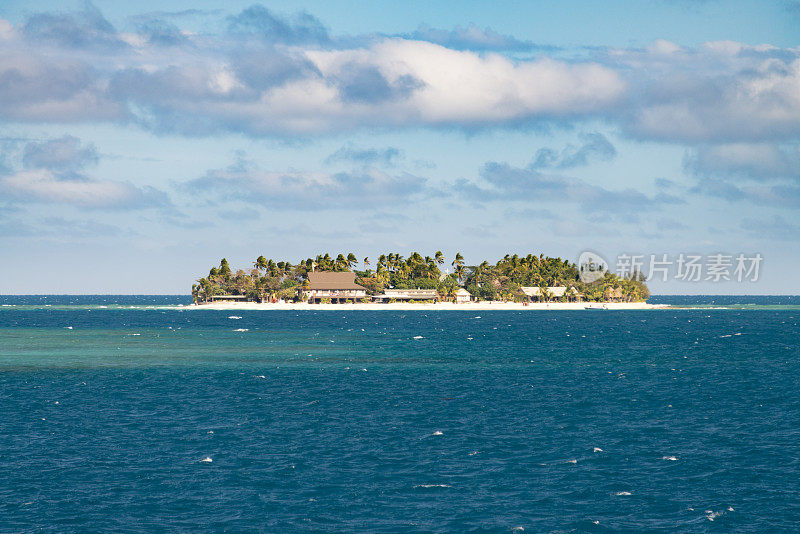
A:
503	280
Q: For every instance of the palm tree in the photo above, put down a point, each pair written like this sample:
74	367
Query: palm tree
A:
449	292
382	274
460	272
458	261
261	263
351	260
439	257
366	261
224	268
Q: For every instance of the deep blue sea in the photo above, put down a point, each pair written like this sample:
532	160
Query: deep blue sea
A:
131	413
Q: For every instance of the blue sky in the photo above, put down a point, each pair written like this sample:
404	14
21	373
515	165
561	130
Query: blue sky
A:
140	143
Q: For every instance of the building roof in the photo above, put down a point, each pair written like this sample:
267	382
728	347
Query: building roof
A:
463	292
552	291
408	294
333	280
613	293
557	291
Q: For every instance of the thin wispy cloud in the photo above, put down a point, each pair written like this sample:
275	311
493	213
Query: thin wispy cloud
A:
244	181
54	171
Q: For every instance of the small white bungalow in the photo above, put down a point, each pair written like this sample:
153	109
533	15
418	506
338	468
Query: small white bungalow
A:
552	292
227	298
406	295
462	295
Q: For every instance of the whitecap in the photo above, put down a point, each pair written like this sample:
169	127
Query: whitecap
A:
363	369
68	327
572	461
433	486
234	317
207	460
133	334
242	330
438	433
473	453
478	317
620	493
597	449
711	516
469	338
670	458
517	529
260	376
417	337
210	432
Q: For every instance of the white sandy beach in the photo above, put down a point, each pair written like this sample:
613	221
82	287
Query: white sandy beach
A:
439	306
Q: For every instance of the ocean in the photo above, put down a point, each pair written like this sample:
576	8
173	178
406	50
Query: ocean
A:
132	413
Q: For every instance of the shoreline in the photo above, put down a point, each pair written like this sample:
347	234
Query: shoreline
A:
439	306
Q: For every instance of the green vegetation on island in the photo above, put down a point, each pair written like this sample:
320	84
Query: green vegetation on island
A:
270	280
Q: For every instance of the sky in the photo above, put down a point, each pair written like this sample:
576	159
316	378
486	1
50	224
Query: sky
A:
140	142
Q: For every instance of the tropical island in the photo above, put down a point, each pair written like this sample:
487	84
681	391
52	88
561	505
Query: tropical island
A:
529	280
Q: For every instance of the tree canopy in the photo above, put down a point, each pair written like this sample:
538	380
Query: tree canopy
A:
502	280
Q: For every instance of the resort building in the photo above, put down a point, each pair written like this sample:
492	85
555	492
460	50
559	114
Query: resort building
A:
227	298
462	295
406	295
553	292
613	294
331	286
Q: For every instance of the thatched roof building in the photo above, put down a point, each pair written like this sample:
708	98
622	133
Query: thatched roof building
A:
407	294
333	280
332	286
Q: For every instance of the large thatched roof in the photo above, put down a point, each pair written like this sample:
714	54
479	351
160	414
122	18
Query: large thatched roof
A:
333	280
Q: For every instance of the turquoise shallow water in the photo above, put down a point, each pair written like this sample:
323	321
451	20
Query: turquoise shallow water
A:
665	420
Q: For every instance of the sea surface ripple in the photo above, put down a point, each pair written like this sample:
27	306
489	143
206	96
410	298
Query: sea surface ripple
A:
677	420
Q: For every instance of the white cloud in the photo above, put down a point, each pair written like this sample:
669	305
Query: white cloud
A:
749	95
306	190
270	75
761	161
7	30
466	87
42	185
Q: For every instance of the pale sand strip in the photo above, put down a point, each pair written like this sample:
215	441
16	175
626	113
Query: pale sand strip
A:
439	306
